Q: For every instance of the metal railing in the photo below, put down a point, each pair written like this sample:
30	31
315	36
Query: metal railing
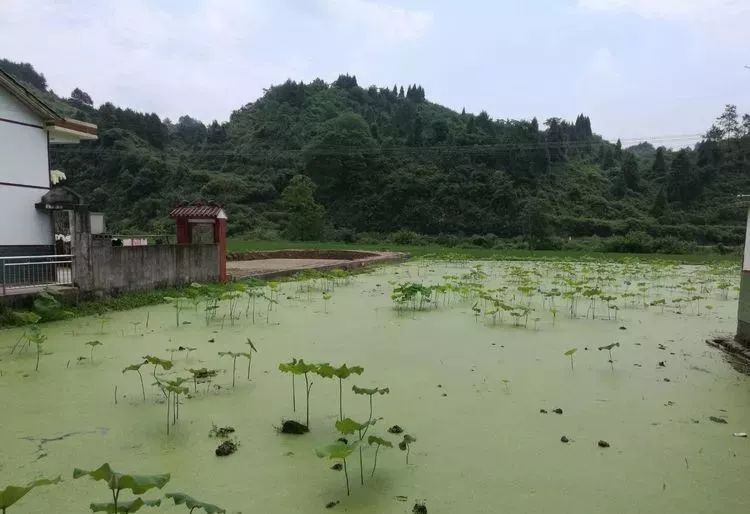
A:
35	271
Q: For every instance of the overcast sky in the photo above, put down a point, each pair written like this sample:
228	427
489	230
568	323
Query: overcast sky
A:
637	67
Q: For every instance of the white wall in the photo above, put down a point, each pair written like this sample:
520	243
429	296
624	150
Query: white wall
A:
12	109
21	223
23	155
23	160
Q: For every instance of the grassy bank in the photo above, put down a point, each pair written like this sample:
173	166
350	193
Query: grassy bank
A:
68	309
237	245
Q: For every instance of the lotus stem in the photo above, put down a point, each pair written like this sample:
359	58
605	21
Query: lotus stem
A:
375	462
294	396
308	386
143	389
341	405
167	394
346	474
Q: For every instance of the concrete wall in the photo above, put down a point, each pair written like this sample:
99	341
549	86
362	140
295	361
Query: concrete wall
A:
743	314
117	269
24	168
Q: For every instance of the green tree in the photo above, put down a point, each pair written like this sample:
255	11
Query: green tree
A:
306	218
630	173
683	182
81	96
659	168
660	204
537	224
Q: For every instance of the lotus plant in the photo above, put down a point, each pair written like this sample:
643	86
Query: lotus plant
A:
192	504
349	426
234	356
370	393
12	493
343	372
174	389
137	369
118	482
38	338
93	344
405	445
300	367
177	302
570	353
25	318
158	363
609	347
338	450
378	442
202	375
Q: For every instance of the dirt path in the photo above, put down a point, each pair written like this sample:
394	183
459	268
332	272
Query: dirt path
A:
284	265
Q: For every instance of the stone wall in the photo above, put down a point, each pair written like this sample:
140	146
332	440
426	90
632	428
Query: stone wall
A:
111	269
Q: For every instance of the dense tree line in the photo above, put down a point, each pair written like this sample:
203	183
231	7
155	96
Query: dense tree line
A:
339	160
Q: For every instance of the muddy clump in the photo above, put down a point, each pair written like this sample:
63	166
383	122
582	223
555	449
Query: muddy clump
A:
228	447
603	444
290	426
221	432
419	508
331	505
564	439
337	467
395	429
557	410
718	420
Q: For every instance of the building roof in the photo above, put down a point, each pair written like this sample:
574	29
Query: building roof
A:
61	129
198	210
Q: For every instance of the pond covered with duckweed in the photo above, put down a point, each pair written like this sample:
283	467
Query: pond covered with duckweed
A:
522	386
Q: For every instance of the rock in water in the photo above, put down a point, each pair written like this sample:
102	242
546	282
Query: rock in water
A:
226	448
395	429
419	508
564	439
717	420
293	427
557	410
603	444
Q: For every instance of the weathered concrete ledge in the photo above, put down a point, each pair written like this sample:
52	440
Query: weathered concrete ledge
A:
738	355
284	263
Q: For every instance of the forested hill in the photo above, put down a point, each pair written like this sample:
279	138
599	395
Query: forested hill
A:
387	162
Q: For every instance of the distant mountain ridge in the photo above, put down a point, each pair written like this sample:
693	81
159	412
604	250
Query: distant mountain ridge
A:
387	160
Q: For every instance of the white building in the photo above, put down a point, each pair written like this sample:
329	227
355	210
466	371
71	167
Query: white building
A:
27	127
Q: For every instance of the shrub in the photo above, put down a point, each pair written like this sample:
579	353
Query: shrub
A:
632	242
405	237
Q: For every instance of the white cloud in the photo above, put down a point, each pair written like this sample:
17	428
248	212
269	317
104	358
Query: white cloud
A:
377	20
205	57
668	9
718	22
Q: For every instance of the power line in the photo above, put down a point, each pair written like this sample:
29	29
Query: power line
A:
333	150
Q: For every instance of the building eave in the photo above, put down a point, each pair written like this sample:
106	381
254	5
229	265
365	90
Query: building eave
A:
69	130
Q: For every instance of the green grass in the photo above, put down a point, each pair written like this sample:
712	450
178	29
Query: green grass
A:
240	245
121	302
